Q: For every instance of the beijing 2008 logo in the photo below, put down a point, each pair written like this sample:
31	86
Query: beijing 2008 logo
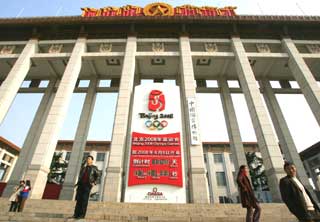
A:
156	103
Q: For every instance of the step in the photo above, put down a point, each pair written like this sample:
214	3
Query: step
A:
56	210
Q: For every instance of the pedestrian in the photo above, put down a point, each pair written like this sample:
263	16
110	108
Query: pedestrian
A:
14	198
248	200
297	197
24	195
88	177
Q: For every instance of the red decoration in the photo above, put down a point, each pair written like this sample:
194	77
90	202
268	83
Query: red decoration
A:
156	101
155	159
184	10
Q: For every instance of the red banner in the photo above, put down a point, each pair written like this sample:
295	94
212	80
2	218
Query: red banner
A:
155	159
159	9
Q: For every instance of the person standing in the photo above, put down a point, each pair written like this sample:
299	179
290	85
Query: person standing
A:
24	195
297	197
248	200
88	177
14	198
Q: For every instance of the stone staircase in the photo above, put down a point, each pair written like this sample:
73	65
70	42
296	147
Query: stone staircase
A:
59	211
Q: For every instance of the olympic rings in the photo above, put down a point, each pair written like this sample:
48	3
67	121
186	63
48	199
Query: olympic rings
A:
156	124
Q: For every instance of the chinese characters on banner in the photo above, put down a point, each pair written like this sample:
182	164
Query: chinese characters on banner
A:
193	121
159	9
155	159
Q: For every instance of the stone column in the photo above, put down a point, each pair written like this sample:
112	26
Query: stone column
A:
285	139
79	144
9	88
304	77
114	177
197	171
39	168
29	145
103	175
236	145
232	189
212	177
269	148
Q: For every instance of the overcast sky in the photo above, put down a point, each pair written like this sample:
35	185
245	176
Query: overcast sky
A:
302	124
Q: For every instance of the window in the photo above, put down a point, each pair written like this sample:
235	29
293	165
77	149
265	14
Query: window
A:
221	179
44	83
225	199
84	83
68	155
7	158
217	158
100	156
212	83
105	83
233	84
3	171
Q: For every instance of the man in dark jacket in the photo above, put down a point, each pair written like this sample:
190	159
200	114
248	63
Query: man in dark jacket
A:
297	197
88	177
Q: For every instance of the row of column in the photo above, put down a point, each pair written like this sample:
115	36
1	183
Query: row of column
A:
39	146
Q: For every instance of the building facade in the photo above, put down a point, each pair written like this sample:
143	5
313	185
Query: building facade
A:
311	161
9	154
190	49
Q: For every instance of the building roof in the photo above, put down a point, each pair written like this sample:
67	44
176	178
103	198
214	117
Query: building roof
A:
246	26
311	151
145	19
9	144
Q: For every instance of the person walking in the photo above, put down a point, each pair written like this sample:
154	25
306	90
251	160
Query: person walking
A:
248	200
88	177
24	195
297	197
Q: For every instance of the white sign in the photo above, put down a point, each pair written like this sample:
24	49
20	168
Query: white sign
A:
193	122
156	111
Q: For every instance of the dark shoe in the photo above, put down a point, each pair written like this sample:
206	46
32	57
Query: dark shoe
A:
73	217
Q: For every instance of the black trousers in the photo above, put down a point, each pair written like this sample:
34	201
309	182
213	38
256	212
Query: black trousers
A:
312	216
82	198
14	206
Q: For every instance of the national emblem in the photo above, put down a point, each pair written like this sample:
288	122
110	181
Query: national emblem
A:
158	9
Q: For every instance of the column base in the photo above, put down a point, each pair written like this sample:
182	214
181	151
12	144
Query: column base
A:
67	192
112	185
37	175
200	191
10	188
274	176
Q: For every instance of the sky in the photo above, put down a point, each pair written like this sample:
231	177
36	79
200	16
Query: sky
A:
14	8
305	130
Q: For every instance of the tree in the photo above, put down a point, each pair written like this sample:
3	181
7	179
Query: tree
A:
257	171
58	169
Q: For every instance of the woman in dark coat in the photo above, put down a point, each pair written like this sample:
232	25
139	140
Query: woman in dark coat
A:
248	200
